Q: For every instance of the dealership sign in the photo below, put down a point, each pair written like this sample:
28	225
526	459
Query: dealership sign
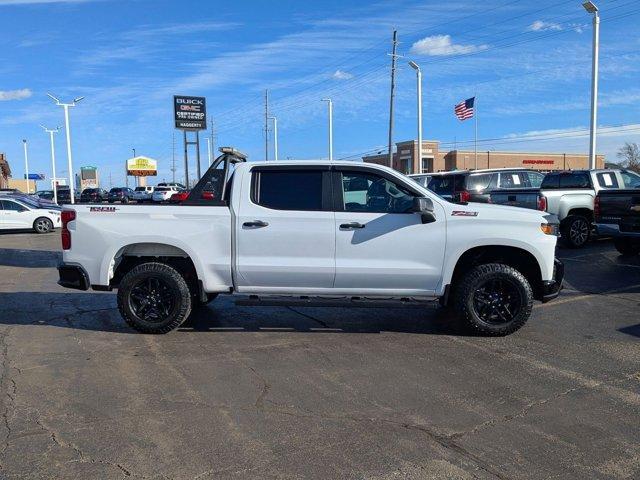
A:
538	162
190	113
142	167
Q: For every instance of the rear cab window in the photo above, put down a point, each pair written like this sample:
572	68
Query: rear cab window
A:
480	181
566	180
446	185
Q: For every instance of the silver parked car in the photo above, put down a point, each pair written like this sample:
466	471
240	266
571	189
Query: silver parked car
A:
143	194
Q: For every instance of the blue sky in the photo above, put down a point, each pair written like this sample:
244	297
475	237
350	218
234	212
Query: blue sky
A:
529	63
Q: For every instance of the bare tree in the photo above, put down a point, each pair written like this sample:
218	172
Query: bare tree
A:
630	156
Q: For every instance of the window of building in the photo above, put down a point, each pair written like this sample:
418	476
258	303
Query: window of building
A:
288	189
368	192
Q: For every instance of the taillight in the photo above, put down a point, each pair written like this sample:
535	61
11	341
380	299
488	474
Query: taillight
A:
67	216
542	203
465	196
596	206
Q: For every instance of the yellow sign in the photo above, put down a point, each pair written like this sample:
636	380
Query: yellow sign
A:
142	167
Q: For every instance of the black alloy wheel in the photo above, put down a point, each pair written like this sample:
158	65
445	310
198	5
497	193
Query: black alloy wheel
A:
152	300
497	301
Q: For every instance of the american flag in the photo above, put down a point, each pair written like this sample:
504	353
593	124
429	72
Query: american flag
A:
464	109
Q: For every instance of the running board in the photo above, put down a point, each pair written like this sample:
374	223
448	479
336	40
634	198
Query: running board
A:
357	302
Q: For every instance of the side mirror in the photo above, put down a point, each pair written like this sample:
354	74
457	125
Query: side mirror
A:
424	206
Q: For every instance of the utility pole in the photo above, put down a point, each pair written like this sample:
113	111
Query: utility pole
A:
330	105
26	164
266	124
591	8
66	106
416	67
173	157
392	97
275	137
51	131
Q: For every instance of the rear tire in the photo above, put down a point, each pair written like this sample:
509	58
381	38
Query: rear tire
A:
627	246
154	298
42	225
575	230
494	299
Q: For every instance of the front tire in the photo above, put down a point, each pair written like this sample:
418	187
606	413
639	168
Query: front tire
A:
154	298
575	231
626	246
42	225
494	299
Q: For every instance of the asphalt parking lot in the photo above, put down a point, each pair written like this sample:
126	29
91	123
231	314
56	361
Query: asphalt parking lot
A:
277	392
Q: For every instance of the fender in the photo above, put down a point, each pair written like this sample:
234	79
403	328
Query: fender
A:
572	201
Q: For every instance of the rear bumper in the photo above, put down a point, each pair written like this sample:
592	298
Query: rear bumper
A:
73	276
551	288
613	230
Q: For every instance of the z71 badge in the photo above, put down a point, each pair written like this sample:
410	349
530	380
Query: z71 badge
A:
462	213
103	209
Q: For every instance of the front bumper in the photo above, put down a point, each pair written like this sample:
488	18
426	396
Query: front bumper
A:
551	288
73	276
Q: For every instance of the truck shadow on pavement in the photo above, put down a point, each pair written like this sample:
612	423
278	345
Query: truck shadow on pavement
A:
98	312
16	257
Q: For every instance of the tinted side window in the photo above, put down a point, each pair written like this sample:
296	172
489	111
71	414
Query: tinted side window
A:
631	180
575	180
479	182
446	185
288	189
368	192
11	206
535	179
607	180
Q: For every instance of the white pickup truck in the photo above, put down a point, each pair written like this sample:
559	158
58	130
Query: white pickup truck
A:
312	230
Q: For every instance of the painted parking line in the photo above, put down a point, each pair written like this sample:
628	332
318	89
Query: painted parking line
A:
588	295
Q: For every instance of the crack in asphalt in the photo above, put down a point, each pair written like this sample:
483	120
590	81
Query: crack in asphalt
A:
310	317
9	392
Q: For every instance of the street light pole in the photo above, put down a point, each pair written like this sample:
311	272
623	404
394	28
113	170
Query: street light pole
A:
67	128
51	131
416	67
330	105
275	137
591	8
26	164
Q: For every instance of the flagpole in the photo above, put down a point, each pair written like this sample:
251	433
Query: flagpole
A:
475	114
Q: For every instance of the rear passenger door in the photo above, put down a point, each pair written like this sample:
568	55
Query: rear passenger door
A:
286	230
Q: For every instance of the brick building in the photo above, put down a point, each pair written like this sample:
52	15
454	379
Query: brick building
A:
5	171
406	159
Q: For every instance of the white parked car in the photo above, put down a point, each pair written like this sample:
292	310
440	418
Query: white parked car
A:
22	212
163	194
143	194
318	230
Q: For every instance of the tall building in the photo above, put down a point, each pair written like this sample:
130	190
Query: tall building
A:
5	171
407	160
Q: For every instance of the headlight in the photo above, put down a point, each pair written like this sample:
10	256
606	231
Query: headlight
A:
550	229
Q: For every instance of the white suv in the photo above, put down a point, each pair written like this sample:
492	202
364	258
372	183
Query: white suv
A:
162	194
143	194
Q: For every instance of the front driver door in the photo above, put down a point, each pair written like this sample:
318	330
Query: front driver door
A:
381	246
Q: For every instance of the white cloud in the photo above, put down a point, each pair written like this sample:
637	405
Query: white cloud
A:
542	26
441	45
342	75
21	94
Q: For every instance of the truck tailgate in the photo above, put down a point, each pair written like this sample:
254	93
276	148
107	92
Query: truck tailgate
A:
621	207
521	197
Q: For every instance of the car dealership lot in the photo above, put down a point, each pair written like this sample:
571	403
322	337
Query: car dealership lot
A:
308	392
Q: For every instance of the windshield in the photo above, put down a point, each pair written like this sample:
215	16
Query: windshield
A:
443	185
140	189
162	189
630	179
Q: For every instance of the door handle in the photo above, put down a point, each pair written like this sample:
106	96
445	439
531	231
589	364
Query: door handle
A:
351	225
255	224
